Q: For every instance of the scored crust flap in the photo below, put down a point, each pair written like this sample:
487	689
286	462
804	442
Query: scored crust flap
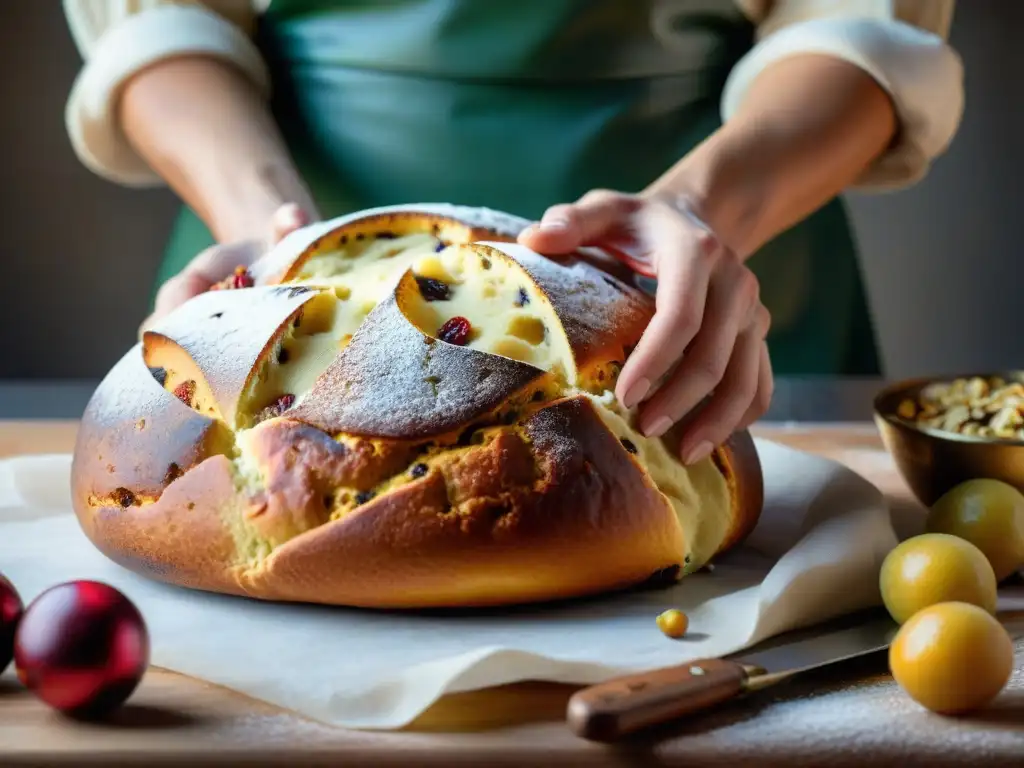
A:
193	535
602	316
213	347
287	260
394	381
136	437
556	510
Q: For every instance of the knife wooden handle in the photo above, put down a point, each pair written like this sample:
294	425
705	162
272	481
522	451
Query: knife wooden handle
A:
609	710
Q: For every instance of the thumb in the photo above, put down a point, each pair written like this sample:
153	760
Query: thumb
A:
564	228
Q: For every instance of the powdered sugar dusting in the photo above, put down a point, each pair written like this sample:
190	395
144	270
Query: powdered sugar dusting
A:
137	430
392	381
594	308
226	332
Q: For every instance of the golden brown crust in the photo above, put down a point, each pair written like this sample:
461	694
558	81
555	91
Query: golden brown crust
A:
306	474
738	461
182	538
556	512
414	473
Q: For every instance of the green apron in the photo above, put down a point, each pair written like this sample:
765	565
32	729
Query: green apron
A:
520	104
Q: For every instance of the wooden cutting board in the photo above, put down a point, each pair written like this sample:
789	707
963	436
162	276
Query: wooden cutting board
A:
851	714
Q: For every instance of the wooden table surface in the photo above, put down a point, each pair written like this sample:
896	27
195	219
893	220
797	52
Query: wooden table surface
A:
852	714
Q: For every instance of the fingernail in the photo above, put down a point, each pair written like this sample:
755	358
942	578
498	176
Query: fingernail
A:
699	452
660	426
636	393
554	223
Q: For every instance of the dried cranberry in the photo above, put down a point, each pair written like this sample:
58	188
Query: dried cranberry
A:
242	278
433	290
419	470
185	392
522	299
455	331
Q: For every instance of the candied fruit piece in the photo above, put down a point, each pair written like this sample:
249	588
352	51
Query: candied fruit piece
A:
455	331
242	279
528	328
185	392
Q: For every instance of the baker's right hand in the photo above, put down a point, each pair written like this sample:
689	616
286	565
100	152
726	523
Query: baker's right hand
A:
219	261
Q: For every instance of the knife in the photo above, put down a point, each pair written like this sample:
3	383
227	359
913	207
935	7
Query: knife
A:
621	706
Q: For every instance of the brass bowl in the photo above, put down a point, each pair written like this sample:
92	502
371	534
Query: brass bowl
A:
933	461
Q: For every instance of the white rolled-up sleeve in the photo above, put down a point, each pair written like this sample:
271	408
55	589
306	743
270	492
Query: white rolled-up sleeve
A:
119	38
902	46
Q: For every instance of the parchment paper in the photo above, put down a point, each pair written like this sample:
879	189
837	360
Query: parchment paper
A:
815	554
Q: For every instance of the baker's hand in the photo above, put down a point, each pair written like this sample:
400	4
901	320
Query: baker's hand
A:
707	337
218	261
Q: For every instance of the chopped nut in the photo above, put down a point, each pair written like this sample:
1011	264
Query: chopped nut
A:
975	406
673	623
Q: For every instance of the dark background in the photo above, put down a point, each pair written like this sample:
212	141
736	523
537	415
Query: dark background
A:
79	254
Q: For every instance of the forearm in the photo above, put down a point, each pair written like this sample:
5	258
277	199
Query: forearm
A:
808	128
203	127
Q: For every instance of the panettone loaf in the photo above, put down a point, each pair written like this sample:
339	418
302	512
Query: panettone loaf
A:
401	408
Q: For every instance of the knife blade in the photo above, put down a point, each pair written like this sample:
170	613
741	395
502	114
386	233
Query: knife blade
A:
624	705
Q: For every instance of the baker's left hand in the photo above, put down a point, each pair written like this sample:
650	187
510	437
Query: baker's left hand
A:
705	345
